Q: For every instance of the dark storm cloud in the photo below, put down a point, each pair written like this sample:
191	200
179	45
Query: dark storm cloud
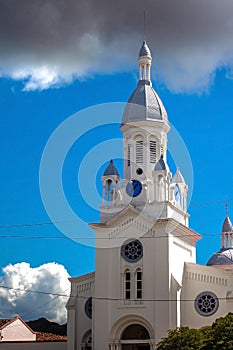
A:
50	42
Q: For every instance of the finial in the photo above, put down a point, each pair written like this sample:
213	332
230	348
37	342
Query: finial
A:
226	206
144	25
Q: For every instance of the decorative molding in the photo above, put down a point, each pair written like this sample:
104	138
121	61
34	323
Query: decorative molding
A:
201	277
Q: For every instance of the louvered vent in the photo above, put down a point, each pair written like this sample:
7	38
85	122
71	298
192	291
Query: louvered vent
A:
139	151
128	160
153	151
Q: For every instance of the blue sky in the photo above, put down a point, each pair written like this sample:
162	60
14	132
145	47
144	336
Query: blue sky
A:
29	118
49	72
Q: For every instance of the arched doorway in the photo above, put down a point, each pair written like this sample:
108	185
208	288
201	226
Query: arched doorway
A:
135	337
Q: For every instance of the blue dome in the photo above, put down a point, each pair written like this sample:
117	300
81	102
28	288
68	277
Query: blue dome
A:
111	169
144	104
223	257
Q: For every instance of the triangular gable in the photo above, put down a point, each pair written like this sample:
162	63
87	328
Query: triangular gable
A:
132	223
10	321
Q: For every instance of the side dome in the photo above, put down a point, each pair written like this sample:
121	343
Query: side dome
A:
144	104
223	257
111	169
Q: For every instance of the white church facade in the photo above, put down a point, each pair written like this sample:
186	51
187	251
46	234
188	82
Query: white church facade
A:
146	279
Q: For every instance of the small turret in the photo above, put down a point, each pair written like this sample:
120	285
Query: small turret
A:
110	181
178	191
144	61
161	178
224	257
227	233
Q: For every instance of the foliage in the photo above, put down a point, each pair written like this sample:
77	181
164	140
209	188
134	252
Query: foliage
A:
181	339
219	336
222	333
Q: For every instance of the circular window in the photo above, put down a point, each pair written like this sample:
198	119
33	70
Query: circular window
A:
88	307
206	303
139	171
132	251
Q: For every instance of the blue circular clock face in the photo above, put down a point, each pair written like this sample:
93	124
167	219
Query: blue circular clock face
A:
134	188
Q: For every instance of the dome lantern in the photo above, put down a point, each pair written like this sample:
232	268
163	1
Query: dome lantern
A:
144	61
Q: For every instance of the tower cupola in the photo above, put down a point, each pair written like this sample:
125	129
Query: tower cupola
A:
224	257
227	233
144	61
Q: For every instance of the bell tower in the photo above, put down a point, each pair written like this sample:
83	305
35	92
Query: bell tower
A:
142	239
144	124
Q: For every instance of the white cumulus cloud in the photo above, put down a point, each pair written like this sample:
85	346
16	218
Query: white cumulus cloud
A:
18	298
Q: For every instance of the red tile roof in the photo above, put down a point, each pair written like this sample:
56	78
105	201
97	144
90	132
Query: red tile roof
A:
3	321
43	337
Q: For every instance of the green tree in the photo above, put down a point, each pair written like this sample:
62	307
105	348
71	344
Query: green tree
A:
222	333
182	338
219	336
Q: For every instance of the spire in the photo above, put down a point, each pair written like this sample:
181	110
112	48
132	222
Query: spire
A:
144	61
144	50
160	165
227	231
227	225
226	206
178	177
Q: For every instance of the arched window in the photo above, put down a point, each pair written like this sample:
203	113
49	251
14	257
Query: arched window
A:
139	284
109	191
87	341
127	284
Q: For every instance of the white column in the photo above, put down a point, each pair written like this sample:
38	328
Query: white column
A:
148	68
144	71
152	346
140	72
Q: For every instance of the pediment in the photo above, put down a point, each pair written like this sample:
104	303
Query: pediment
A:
129	223
132	223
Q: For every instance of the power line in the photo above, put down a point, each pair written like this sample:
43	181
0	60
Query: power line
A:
43	305
47	223
100	298
36	224
102	238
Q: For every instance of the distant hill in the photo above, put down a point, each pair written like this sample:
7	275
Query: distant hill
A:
44	325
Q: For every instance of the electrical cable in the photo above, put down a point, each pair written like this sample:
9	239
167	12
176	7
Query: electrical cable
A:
99	298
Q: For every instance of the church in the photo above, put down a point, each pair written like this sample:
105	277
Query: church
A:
146	279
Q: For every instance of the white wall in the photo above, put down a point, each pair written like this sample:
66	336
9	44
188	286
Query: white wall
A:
200	278
17	331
